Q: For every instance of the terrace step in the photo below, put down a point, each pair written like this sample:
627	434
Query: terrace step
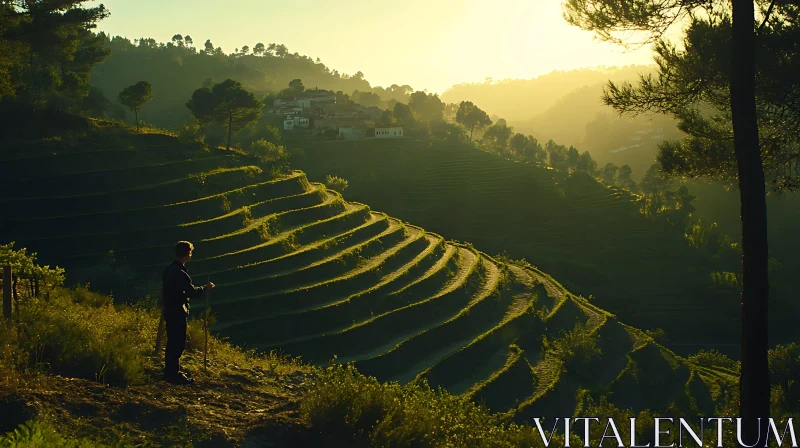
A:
269	276
317	291
507	387
383	331
161	215
116	179
301	255
476	361
305	324
175	190
228	250
228	223
243	247
409	357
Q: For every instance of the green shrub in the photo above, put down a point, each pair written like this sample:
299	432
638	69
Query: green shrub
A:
784	366
65	336
713	358
350	409
575	350
336	183
195	332
82	295
190	132
267	152
39	433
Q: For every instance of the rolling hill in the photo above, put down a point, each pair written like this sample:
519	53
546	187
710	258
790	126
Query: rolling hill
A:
303	271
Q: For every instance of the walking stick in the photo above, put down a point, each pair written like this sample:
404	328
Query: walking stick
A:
160	332
205	325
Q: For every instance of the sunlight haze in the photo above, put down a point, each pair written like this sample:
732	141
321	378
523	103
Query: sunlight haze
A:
428	45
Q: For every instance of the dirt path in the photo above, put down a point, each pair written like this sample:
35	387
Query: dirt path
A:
229	406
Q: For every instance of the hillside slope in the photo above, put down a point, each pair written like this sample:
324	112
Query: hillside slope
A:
303	271
592	238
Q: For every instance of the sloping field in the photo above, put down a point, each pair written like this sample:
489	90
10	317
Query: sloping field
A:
305	272
592	238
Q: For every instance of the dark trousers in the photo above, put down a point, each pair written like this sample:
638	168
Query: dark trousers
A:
176	343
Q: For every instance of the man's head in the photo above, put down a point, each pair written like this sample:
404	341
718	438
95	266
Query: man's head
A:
183	251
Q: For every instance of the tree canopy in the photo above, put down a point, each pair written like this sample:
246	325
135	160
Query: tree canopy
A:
471	117
47	52
135	96
426	106
226	103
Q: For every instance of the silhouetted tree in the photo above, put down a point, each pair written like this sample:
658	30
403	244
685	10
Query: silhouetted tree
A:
227	103
653	186
497	136
208	47
259	49
472	117
625	178
135	96
572	157
586	163
402	114
426	107
297	86
557	155
609	173
47	52
366	99
701	76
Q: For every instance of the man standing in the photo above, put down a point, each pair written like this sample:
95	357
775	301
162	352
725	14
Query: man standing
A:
176	292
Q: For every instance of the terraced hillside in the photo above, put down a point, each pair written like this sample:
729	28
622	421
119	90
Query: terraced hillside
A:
592	238
301	270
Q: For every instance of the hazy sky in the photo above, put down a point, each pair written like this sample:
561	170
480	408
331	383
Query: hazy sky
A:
429	44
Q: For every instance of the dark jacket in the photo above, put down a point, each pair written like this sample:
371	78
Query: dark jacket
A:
177	290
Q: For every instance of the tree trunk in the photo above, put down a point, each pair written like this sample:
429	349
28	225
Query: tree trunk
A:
230	128
136	114
754	386
15	294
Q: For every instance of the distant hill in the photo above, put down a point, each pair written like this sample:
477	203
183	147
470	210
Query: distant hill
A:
301	270
176	71
567	107
518	100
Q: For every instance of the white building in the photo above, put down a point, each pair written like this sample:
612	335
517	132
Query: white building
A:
395	132
295	122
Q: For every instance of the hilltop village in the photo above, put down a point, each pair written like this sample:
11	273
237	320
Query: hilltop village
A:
318	111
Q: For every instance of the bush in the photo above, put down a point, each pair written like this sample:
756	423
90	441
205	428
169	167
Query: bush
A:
82	295
39	433
713	358
269	153
336	183
575	349
350	409
190	132
195	333
784	366
67	336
